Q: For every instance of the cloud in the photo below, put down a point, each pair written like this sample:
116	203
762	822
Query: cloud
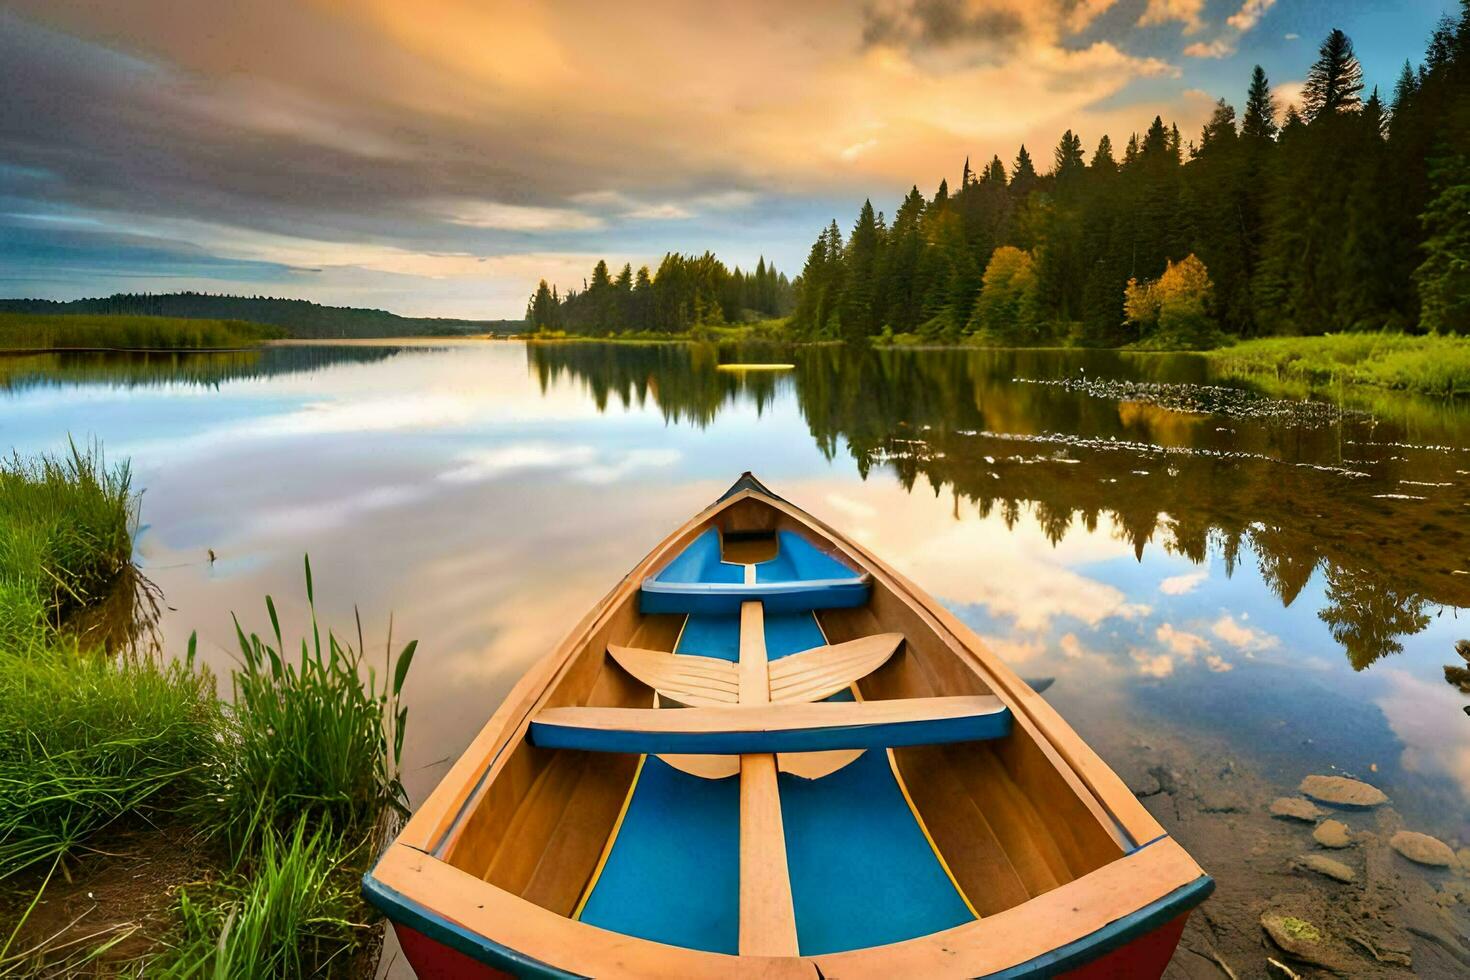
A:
1153	664
1014	651
1249	14
1290	36
1183	584
1218	664
1084	12
1186	12
1242	636
938	23
585	463
1220	48
1180	642
515	217
427	139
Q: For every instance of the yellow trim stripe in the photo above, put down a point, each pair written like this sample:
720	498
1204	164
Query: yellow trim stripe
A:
924	828
612	839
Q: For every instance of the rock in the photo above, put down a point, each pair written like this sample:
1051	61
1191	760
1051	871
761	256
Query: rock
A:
1423	849
1464	855
1332	833
1278	970
1220	797
1332	868
1296	808
1302	940
1447	898
1342	791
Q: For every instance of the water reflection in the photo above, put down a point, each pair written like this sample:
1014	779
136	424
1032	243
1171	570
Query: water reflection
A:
130	369
1230	578
1301	487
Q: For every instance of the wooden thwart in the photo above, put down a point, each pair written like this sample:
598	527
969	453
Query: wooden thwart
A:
742	729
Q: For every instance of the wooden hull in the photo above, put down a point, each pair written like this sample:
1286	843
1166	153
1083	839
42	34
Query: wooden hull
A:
1143	957
933	817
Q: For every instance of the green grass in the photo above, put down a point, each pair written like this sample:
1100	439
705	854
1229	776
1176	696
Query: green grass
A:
297	914
1431	365
292	786
65	539
27	331
311	738
87	740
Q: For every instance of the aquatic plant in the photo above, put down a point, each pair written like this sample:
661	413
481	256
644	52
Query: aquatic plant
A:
65	538
27	331
310	738
1432	365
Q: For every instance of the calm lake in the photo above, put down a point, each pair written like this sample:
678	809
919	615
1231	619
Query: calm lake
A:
1229	591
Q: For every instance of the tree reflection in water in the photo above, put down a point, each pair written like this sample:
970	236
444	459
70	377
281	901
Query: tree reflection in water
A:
1373	500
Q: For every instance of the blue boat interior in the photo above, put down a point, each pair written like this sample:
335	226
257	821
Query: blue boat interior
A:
862	867
799	578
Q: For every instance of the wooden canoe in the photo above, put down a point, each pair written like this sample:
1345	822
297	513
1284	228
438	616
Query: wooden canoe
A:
767	753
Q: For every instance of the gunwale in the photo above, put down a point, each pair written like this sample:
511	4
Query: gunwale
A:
1153	872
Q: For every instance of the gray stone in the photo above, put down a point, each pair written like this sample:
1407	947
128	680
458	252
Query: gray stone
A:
1342	791
1332	833
1423	849
1296	808
1302	940
1332	868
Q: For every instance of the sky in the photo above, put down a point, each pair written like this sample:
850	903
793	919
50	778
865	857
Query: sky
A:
437	158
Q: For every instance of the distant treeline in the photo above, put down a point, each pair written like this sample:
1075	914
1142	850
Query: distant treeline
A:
686	291
298	317
1345	213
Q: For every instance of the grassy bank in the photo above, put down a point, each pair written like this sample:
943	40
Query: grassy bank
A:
25	331
281	795
1431	365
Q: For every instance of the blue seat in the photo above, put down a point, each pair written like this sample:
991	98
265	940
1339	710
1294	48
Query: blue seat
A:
799	579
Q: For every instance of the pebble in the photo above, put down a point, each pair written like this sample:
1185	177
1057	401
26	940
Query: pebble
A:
1301	939
1296	808
1423	849
1324	865
1332	833
1342	791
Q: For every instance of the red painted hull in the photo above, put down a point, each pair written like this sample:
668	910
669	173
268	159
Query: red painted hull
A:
1144	957
435	961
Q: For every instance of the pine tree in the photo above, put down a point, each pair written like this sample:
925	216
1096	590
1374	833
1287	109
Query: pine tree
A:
1335	81
1260	108
995	173
861	261
1067	161
1023	174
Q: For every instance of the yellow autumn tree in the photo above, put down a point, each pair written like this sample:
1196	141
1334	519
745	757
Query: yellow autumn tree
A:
1008	308
1173	310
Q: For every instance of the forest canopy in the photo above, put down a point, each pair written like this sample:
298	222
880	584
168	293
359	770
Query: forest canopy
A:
686	291
1350	211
